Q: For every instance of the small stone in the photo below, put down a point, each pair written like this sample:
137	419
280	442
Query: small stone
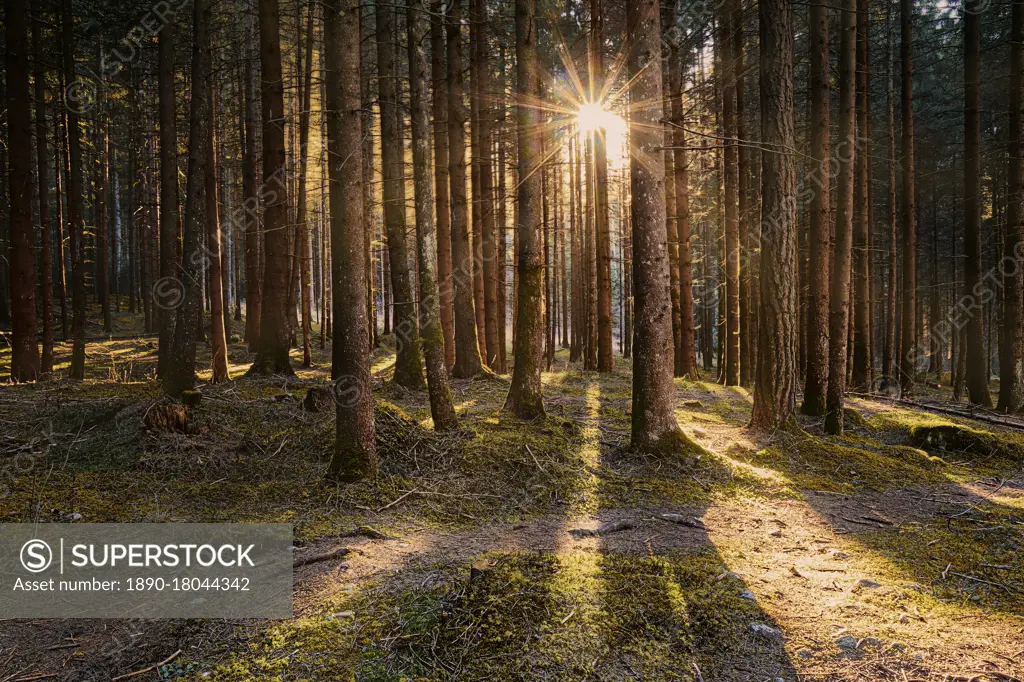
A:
74	516
864	582
776	533
903	618
727	574
836	554
766	632
747	594
804	654
847	642
700	433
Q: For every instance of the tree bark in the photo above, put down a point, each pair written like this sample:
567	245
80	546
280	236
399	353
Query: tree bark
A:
908	333
467	350
272	354
654	425
862	211
302	226
439	108
816	380
842	254
253	271
218	332
25	346
167	290
75	212
605	351
408	369
45	228
977	371
731	187
775	380
180	372
441	408
525	398
1011	364
355	454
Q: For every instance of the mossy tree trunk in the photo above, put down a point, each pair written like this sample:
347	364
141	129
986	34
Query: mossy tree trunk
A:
441	407
524	398
355	454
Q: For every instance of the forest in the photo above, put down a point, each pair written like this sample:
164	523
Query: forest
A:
596	340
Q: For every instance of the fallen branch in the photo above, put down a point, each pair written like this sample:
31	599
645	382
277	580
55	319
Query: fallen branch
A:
610	527
326	556
155	666
966	414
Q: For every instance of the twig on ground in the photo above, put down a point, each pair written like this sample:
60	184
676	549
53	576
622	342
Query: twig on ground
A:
155	666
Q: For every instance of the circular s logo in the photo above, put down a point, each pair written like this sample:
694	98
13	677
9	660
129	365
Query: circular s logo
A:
36	556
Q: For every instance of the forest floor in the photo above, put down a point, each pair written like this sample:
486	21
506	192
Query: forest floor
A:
890	553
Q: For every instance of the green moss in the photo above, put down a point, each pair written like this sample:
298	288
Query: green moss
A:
969	560
848	463
965	442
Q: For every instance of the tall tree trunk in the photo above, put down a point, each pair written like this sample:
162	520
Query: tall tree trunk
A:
441	407
685	354
355	454
775	380
439	108
842	254
25	346
76	215
525	399
484	202
167	290
45	228
862	210
302	226
891	320
1011	363
60	157
908	333
253	252
272	353
654	425
731	186
181	362
218	332
467	350
102	216
408	369
605	351
977	371
742	195
816	380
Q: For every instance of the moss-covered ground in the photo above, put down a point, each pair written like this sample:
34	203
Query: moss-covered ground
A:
892	552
